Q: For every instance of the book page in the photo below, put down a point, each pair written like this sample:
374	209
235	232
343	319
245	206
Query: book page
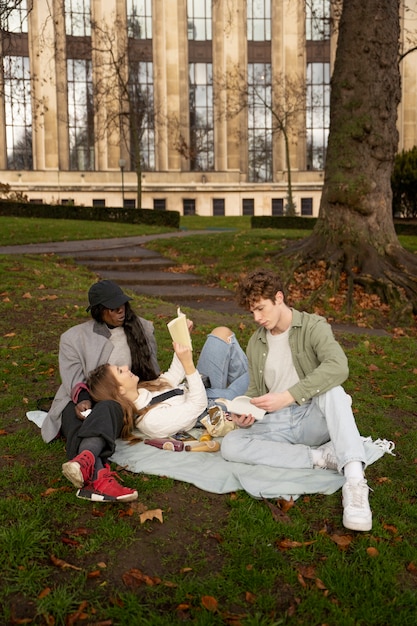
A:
241	405
178	330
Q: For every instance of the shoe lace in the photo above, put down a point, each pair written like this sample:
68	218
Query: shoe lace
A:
111	476
358	493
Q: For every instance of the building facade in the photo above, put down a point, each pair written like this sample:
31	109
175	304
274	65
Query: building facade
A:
207	107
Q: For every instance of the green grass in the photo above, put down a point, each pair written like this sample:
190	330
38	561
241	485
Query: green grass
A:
216	559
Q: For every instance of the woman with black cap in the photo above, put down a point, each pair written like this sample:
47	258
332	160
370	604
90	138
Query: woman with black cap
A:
114	335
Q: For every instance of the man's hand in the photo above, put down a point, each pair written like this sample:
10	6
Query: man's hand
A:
243	421
273	401
82	406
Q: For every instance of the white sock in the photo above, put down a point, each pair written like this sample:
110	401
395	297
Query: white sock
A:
353	471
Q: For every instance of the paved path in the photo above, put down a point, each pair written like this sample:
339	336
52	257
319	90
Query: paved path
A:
128	262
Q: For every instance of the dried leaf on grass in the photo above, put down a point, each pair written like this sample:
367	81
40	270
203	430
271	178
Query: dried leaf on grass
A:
209	603
280	509
287	544
135	578
150	515
63	564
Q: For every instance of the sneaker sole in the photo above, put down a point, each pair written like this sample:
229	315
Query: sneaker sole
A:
363	526
94	496
73	473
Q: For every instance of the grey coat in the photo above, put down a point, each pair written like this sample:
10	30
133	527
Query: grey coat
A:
82	348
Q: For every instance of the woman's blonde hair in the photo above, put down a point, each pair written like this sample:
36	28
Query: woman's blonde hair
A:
103	385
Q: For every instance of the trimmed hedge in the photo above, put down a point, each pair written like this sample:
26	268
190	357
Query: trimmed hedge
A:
402	227
98	214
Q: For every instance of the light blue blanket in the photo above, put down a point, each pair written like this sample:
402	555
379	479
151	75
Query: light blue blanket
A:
210	472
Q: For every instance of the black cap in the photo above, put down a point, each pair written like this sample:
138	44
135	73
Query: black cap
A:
108	294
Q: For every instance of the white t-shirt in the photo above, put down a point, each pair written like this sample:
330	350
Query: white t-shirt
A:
121	352
280	373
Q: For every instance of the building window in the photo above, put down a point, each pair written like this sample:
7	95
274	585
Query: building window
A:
142	131
259	122
159	204
188	206
139	19
99	203
201	117
248	206
317	20
77	18
307	206
218	206
18	112
129	203
259	20
80	114
317	114
199	20
317	82
13	19
277	206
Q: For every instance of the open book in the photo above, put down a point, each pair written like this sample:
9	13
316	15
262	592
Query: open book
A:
178	329
241	405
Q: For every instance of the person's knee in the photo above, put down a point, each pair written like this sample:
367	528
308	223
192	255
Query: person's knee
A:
222	332
231	445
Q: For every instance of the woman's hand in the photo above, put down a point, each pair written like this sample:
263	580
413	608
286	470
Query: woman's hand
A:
185	355
82	406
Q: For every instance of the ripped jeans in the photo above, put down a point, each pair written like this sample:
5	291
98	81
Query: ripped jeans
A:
226	365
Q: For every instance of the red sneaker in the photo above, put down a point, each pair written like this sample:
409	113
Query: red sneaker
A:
80	470
106	489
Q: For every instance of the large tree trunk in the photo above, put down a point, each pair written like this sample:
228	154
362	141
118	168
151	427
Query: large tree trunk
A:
355	231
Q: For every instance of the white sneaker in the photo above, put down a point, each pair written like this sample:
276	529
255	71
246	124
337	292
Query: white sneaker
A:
328	457
357	514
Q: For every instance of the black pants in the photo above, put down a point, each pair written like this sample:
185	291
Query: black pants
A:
105	421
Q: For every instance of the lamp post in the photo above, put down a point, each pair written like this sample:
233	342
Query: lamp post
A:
122	164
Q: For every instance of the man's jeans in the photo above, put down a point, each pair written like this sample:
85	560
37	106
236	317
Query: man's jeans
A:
284	438
226	365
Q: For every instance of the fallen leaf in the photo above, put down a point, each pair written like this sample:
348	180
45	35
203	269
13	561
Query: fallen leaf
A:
286	544
392	529
342	541
63	564
10	335
27	296
135	578
250	597
278	513
372	552
412	568
320	584
209	603
307	571
45	592
150	515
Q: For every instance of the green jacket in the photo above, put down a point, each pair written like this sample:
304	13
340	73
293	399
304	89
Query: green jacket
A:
318	358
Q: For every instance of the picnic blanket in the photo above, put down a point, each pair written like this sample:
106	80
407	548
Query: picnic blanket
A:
210	472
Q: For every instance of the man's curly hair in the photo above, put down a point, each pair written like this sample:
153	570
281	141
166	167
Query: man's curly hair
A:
257	285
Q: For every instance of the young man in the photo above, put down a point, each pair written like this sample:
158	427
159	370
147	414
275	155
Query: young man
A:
296	368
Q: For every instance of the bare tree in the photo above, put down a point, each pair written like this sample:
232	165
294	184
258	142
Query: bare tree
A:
282	97
355	232
122	98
